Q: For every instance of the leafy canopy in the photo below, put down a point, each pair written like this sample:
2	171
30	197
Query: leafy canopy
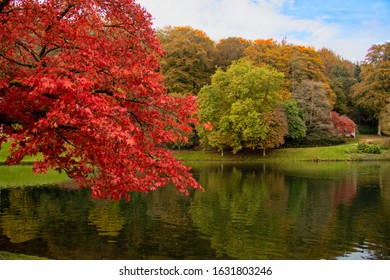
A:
78	84
241	108
188	63
373	91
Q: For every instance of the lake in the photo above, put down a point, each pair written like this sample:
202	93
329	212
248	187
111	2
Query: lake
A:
280	211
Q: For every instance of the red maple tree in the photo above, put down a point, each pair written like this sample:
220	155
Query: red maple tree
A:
78	85
344	125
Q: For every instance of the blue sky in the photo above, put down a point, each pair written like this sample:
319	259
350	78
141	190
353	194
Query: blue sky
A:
348	27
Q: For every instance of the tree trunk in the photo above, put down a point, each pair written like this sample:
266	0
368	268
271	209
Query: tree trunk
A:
264	152
379	126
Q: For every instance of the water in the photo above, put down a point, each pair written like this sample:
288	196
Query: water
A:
248	211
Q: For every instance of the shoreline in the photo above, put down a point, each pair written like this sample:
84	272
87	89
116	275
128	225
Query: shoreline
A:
346	153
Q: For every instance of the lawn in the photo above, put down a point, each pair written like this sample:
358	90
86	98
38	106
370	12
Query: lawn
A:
346	152
4	153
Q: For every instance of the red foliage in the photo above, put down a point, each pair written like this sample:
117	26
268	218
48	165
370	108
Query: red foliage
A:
344	125
208	126
78	84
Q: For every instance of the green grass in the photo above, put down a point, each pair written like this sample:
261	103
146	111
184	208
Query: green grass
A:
23	175
346	152
4	153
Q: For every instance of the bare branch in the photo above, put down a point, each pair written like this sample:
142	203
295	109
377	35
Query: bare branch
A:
17	62
16	83
61	16
34	55
43	50
64	12
105	91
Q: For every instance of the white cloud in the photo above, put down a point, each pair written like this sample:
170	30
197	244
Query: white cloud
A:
255	19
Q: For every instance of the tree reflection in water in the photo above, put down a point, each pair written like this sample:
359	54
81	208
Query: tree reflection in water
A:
289	211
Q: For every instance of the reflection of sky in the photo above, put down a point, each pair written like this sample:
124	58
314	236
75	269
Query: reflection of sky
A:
360	254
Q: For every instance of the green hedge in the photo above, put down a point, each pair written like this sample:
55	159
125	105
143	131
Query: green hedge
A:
368	148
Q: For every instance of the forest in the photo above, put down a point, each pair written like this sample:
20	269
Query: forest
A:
263	94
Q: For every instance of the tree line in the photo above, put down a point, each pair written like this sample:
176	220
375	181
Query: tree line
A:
264	93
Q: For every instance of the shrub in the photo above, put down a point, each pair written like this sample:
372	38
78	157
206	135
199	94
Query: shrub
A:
323	138
368	148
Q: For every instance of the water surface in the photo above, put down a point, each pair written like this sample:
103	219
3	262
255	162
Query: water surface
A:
248	211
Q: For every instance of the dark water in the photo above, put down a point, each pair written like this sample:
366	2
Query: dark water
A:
285	211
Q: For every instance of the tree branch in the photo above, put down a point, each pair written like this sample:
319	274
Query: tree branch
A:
105	91
17	62
64	12
111	93
28	50
61	16
42	52
15	83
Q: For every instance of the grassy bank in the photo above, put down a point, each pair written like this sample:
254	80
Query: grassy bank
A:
346	152
4	153
23	175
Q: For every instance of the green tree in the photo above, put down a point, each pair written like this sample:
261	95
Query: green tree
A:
341	83
373	92
189	60
340	73
296	126
269	52
241	104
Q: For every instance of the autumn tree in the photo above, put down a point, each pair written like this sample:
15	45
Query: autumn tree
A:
229	49
344	125
78	85
313	100
278	55
242	107
189	60
306	64
373	92
270	52
298	63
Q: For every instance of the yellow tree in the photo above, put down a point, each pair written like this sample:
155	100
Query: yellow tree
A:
188	62
373	92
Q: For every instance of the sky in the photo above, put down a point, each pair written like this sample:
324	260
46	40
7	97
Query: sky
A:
347	27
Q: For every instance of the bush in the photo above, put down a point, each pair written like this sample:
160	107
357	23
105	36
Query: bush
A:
368	148
323	138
